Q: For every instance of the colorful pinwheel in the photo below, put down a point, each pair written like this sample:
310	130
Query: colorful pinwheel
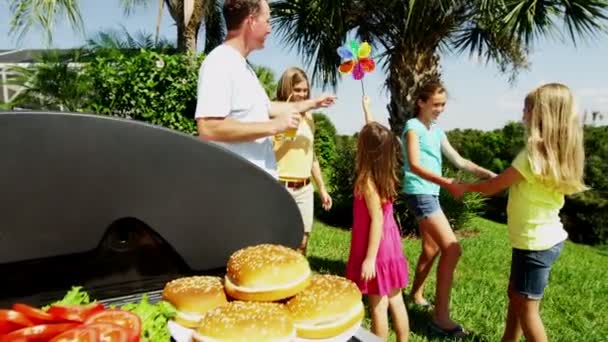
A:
356	59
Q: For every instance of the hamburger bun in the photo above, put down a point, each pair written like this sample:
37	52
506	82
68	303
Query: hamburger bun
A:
194	296
246	321
266	272
328	307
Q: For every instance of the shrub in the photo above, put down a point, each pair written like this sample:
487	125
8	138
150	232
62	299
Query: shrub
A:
341	183
325	144
152	87
458	211
585	217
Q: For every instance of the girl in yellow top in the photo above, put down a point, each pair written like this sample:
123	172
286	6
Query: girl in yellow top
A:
295	154
549	167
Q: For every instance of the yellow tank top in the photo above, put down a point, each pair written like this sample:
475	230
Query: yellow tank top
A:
295	156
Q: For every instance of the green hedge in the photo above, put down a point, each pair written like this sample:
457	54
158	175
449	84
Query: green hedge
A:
152	87
342	180
585	217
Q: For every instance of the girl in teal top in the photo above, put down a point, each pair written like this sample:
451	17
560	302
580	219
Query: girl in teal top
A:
424	144
550	166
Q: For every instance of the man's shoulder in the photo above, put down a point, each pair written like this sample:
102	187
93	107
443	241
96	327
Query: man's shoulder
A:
219	56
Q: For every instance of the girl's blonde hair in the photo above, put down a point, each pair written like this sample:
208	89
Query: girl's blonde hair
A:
289	79
377	160
555	138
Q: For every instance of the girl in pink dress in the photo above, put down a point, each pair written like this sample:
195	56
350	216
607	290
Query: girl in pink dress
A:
376	262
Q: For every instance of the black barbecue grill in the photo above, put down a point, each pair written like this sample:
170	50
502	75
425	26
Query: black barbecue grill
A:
121	207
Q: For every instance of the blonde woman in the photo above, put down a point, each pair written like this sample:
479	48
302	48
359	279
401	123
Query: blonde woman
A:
549	167
294	151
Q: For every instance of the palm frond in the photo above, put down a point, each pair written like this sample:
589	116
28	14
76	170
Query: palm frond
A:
43	14
120	40
530	19
584	18
129	5
53	83
316	28
213	25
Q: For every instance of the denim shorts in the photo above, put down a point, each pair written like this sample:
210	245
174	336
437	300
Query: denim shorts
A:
423	205
530	270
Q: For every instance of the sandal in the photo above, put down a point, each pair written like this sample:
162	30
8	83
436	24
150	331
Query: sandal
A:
425	305
455	332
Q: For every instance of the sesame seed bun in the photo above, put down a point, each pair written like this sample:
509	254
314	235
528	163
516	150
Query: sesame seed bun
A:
194	296
246	321
266	272
328	307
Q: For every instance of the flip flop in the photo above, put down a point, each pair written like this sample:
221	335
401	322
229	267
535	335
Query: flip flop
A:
425	305
455	332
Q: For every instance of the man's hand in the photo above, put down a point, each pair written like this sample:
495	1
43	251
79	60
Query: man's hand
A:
289	120
323	101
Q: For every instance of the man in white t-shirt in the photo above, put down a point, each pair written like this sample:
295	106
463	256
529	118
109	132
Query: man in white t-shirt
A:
232	107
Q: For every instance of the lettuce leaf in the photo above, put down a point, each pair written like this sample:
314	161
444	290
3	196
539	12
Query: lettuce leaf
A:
76	296
153	317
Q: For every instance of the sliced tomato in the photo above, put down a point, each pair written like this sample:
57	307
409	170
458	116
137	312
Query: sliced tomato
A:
7	327
39	332
15	339
80	334
123	318
34	314
12	320
74	313
108	332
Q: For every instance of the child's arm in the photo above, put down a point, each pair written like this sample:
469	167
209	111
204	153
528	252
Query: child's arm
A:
462	163
497	184
413	157
374	206
369	116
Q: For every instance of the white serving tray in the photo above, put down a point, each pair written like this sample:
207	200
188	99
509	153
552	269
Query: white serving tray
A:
357	333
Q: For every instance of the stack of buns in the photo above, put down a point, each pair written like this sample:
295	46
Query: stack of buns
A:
268	294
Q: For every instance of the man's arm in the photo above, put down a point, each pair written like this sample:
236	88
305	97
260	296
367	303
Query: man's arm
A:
230	130
276	108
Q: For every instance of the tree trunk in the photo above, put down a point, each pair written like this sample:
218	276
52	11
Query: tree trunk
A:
187	36
408	70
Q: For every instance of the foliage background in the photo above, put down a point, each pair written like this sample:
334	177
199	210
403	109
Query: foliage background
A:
159	87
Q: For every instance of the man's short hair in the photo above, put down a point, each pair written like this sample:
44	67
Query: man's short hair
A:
235	11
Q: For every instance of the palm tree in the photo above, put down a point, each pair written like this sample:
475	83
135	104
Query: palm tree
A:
189	16
412	35
122	40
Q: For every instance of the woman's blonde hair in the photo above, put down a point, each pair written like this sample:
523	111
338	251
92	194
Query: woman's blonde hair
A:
289	79
555	138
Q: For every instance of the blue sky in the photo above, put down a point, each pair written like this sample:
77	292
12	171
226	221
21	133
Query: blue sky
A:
479	96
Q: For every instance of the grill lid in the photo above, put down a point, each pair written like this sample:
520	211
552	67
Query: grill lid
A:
120	206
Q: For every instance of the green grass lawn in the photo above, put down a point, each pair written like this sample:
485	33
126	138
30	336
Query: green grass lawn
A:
575	307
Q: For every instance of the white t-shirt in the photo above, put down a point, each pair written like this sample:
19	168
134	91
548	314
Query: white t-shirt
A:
228	87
